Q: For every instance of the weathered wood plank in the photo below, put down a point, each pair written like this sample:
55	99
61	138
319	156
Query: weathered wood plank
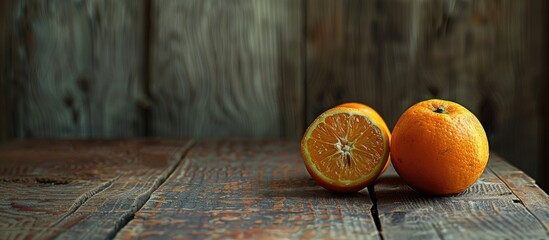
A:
342	56
487	210
78	67
524	187
5	68
367	51
391	54
79	189
226	68
249	189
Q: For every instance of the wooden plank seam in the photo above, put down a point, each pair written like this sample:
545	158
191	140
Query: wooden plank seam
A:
519	200
374	211
143	198
80	201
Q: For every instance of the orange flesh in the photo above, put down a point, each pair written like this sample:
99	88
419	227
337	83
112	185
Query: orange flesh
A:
346	147
372	113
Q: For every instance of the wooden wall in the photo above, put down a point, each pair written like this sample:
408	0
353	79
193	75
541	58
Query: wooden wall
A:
77	68
266	68
226	68
4	68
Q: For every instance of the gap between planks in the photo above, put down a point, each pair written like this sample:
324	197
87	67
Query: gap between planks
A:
524	199
127	218
374	211
531	200
83	199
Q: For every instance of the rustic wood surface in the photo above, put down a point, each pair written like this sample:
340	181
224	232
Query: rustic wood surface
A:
79	189
524	187
234	66
391	54
78	68
249	189
128	189
490	209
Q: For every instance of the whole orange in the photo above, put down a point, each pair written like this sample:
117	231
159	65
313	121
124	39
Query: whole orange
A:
439	147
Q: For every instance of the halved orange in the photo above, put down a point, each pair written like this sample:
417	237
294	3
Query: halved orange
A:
371	112
345	148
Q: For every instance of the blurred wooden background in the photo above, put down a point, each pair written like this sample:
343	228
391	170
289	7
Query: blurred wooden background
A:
266	68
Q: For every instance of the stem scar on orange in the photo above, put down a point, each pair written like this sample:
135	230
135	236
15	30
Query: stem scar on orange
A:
439	147
345	148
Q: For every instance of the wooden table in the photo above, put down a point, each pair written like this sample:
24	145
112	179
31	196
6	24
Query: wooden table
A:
143	188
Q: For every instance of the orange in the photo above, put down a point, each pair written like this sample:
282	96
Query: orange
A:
345	148
371	112
439	147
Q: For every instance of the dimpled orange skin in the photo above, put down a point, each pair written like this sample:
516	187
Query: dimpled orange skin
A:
371	112
439	153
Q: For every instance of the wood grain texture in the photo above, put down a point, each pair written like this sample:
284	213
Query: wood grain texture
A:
5	68
78	67
141	188
391	54
342	61
226	68
249	189
367	51
79	189
487	210
524	187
